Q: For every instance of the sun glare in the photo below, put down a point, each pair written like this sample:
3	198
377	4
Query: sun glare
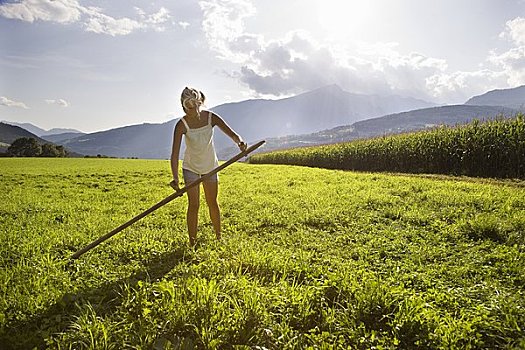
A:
345	20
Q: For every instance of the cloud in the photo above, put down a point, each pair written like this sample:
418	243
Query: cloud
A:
97	22
91	18
160	17
61	11
60	102
224	22
296	62
512	62
515	30
183	24
507	69
460	86
4	101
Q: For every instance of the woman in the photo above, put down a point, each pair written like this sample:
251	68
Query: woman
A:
199	157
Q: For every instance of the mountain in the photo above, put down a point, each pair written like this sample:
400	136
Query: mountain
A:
58	131
389	124
315	110
511	98
33	129
9	133
253	120
39	131
141	141
62	137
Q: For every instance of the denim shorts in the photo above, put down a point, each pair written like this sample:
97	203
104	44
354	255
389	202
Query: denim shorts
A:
190	176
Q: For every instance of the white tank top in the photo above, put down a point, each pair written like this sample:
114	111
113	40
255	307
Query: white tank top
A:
200	156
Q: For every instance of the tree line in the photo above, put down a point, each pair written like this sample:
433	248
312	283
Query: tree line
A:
29	147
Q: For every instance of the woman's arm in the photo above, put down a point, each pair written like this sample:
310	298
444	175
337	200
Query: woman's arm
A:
217	120
175	150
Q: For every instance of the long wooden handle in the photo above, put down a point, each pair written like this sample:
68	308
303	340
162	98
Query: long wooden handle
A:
166	200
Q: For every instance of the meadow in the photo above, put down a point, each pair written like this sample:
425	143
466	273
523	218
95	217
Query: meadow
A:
310	258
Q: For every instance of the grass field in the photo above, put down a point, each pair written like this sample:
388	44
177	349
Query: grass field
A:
310	258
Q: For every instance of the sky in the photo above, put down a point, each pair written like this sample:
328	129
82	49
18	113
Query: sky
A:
97	65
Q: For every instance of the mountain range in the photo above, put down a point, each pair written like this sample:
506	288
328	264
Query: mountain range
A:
312	111
326	107
297	121
9	133
41	132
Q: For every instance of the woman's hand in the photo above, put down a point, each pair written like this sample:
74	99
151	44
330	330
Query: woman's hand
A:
242	145
175	184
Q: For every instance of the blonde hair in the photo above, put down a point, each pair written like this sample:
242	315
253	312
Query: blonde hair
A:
191	96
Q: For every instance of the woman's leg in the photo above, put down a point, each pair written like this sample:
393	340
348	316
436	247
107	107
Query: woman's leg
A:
210	191
193	213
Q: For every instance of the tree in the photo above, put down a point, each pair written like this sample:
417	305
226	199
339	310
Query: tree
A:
61	151
48	151
25	147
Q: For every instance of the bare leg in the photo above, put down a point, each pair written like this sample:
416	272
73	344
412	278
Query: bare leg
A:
211	190
193	213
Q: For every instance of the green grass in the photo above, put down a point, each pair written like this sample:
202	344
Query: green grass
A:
310	258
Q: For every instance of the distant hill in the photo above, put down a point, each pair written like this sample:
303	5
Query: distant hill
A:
141	141
312	111
39	131
511	98
62	137
389	124
9	133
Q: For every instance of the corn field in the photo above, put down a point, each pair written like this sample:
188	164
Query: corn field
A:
494	148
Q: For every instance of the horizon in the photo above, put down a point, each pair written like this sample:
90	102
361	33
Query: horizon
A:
92	66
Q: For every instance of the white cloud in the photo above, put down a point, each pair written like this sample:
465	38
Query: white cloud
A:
160	17
4	101
460	86
512	62
515	30
92	18
508	69
60	102
61	11
97	22
297	62
224	22
183	24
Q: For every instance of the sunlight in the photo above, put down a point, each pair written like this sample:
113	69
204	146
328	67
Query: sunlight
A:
341	19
